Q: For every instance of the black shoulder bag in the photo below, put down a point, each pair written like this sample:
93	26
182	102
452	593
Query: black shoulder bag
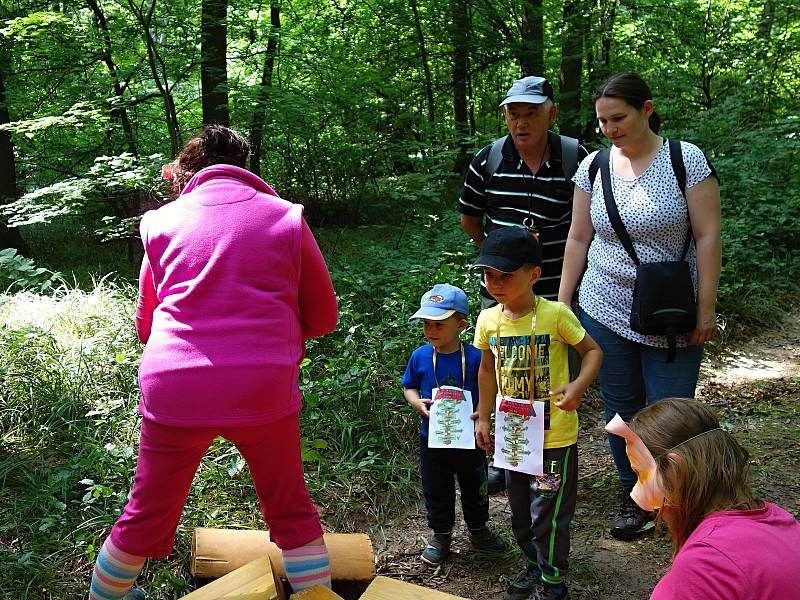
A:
663	296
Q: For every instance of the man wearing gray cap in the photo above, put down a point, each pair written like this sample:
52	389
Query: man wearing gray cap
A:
524	179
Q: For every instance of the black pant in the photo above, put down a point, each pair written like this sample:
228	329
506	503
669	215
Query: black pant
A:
440	467
542	509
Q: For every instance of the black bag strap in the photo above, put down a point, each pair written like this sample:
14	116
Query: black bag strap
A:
611	205
676	158
601	162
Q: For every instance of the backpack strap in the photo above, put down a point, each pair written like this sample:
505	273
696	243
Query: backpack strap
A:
611	205
495	158
569	157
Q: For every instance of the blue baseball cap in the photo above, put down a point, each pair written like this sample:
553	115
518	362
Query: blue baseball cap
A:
440	302
529	90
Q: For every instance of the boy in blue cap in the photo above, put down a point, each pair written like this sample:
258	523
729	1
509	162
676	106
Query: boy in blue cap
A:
447	361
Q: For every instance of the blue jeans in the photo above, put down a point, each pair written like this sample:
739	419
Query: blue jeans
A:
634	376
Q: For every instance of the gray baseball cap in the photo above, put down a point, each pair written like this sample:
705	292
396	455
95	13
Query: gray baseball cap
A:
531	90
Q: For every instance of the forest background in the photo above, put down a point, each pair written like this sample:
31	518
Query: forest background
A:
367	112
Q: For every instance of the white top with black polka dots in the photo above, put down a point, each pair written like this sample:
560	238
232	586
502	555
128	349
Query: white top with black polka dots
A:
656	216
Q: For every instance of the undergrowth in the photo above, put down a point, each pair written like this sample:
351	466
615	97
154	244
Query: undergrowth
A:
69	421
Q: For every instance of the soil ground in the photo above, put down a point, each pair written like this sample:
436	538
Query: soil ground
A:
756	389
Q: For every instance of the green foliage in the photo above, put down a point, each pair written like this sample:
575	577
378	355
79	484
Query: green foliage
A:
761	208
112	193
21	273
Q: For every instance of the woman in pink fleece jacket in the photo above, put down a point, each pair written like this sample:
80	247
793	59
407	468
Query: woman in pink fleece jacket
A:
232	284
728	544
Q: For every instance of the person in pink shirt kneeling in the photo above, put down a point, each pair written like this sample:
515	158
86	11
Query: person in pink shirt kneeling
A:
232	284
728	544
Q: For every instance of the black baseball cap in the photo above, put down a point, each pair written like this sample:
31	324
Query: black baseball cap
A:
508	248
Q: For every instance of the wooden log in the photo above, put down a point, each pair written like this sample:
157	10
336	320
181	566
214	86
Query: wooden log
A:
216	552
252	581
317	592
383	588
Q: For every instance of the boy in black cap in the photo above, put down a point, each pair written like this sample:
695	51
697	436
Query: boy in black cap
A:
520	328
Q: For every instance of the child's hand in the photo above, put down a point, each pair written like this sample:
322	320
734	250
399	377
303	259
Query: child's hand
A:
421	406
483	436
474	416
571	395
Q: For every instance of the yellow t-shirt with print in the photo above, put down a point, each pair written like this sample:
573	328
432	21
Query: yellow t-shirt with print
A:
557	328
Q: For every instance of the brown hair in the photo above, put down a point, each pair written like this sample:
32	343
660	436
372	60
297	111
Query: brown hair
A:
631	88
702	468
216	144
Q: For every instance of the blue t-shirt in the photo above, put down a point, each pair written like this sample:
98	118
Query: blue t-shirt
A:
419	373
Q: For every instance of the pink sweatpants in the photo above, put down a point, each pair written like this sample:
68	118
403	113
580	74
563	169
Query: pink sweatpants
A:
168	459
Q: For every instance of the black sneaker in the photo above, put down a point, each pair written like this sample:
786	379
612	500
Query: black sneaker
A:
134	594
436	550
546	592
632	521
485	539
497	480
524	585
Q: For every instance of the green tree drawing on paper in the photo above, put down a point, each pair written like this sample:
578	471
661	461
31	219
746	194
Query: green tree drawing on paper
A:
449	427
515	442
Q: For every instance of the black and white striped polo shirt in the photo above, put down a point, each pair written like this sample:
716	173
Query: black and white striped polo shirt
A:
514	193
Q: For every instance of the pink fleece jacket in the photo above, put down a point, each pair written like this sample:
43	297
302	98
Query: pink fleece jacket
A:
737	555
231	285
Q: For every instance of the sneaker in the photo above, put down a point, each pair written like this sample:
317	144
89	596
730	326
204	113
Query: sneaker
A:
134	594
524	585
632	521
546	592
485	539
436	550
497	480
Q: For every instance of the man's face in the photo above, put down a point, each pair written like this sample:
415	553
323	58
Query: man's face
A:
528	123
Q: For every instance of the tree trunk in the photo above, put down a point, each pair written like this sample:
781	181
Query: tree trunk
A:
706	69
606	38
598	57
259	111
569	94
159	72
213	61
426	68
531	60
10	237
460	72
119	113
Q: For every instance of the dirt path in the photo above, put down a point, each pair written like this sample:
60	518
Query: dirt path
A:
757	380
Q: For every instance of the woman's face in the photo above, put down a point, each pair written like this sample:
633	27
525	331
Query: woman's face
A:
622	123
